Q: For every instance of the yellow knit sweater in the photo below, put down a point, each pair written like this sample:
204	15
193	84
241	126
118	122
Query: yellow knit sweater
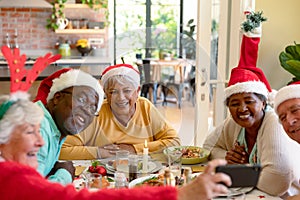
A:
146	124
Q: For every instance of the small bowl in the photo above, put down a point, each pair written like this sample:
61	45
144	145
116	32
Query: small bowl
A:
84	51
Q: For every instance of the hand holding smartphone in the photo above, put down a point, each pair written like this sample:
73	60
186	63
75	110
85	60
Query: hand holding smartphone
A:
241	175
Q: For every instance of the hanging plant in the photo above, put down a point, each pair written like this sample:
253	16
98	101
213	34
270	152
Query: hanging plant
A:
95	3
57	12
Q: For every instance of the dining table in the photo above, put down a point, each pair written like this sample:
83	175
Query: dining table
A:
251	194
176	67
169	73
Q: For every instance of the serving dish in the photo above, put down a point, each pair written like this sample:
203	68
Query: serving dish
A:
190	154
140	180
154	180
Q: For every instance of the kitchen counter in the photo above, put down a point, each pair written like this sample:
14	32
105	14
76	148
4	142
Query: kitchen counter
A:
68	61
87	60
94	70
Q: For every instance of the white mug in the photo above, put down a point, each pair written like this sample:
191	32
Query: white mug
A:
62	23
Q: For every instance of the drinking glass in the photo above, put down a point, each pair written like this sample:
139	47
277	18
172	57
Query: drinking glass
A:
174	161
122	160
133	166
94	181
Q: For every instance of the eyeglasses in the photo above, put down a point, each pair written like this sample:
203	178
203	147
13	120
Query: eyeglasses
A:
82	100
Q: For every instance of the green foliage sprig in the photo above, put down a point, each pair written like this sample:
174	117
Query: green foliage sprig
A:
57	12
93	3
253	21
290	60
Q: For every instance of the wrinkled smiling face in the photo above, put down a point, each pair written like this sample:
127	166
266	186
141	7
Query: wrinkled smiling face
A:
122	97
74	109
23	145
289	116
246	109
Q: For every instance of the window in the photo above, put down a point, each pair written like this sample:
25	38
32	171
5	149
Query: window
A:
146	26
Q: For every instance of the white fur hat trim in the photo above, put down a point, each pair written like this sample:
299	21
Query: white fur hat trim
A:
286	93
76	77
133	75
248	86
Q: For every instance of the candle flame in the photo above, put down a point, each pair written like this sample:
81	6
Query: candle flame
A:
145	144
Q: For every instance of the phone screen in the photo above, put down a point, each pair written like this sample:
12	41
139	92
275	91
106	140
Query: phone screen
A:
241	175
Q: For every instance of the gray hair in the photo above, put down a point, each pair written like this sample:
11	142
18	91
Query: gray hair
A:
121	79
22	111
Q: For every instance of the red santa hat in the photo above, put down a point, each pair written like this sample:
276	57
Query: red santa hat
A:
291	91
46	84
66	78
124	70
246	77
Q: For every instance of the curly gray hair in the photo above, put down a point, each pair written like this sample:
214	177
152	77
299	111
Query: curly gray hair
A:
22	111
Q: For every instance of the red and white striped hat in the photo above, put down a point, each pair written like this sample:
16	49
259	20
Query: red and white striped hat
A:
246	77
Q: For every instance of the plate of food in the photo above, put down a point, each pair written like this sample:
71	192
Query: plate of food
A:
153	166
151	180
157	180
190	154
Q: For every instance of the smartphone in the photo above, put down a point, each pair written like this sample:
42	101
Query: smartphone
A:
241	175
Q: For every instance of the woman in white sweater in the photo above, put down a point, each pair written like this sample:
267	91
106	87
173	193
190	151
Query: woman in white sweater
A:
253	134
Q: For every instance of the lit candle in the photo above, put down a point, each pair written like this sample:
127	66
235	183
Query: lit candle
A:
145	158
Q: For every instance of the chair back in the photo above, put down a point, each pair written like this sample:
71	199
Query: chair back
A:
146	70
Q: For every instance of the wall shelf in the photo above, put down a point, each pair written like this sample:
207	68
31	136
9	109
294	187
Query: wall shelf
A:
80	31
79	5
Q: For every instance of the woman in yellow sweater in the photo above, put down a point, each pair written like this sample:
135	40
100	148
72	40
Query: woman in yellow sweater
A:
125	121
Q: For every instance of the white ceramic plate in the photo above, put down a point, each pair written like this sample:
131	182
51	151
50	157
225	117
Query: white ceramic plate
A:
237	191
153	166
140	180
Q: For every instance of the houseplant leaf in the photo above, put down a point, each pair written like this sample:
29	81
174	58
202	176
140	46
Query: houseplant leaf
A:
293	51
290	60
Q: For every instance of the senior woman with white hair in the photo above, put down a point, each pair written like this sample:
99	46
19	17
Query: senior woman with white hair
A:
125	120
18	124
20	140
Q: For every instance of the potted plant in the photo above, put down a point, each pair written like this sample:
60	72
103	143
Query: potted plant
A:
57	13
188	41
290	60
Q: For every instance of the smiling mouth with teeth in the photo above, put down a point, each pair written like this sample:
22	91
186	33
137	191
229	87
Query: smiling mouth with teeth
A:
244	116
32	154
81	119
296	130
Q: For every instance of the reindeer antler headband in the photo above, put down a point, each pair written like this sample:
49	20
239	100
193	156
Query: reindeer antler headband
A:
18	86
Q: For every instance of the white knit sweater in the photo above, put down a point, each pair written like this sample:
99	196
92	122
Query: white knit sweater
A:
278	154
